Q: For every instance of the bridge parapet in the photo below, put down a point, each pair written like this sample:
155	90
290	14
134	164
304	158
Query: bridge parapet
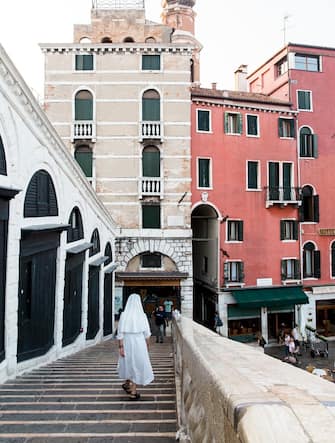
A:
232	393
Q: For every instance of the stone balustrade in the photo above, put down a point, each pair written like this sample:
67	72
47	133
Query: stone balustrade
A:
230	392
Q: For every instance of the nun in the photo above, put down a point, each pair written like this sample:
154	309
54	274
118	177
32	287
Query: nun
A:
133	335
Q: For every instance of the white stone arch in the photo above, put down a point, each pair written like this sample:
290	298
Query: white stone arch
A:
10	139
208	203
160	246
311	186
313	243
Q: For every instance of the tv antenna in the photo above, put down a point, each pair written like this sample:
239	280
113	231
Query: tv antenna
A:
285	26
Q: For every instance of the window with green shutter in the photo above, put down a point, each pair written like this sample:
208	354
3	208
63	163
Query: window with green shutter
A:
40	199
151	107
305	100
84	62
308	143
151	216
151	62
286	127
252	125
233	123
83	105
253	175
151	162
203	120
84	157
235	230
204	173
288	230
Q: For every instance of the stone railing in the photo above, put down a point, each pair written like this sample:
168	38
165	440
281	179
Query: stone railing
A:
229	392
83	130
151	186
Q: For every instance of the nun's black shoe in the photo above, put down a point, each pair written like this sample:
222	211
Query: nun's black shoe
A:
134	396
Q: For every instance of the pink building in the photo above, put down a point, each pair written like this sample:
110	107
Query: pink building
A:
305	75
245	194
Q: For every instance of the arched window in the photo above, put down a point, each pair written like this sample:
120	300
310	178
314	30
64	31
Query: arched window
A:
151	162
311	261
85	40
3	166
128	40
151	106
84	156
41	200
83	105
75	231
108	253
309	210
150	40
333	258
308	143
95	240
106	40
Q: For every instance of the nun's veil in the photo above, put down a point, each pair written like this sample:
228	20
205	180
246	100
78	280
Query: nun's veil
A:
133	318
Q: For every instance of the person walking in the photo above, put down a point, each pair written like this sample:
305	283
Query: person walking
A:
217	323
133	334
160	321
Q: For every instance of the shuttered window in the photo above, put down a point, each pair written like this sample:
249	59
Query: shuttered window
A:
151	62
308	143
309	210
290	269
203	120
333	259
151	216
84	157
40	200
233	123
305	100
108	253
253	181
204	179
83	106
151	162
84	62
76	231
252	125
235	230
286	127
95	240
288	230
311	261
151	107
3	166
234	272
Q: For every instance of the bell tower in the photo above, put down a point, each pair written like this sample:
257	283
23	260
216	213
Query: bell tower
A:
179	14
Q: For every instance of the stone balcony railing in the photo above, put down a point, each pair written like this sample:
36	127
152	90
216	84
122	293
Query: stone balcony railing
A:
83	130
229	392
150	187
151	130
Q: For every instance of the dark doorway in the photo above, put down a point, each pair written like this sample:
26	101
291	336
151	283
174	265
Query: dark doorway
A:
279	320
72	297
37	281
108	297
3	259
93	302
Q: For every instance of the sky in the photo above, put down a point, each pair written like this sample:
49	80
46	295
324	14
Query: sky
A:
231	32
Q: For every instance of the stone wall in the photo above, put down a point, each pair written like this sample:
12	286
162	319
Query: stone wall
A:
230	392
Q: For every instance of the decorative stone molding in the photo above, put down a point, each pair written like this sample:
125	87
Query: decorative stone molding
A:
115	48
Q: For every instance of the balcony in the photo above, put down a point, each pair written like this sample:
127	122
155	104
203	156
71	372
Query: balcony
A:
151	130
150	187
83	130
282	196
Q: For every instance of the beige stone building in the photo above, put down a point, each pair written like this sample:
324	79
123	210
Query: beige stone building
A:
119	96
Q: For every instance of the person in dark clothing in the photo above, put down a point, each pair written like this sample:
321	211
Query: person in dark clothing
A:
160	321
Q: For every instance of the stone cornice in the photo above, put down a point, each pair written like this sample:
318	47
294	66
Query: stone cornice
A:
43	129
114	48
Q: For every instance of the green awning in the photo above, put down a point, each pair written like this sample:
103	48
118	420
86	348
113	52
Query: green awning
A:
236	312
270	297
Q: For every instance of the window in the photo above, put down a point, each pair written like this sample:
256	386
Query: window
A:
252	125
288	230
306	62
75	232
108	253
253	175
333	259
40	200
280	182
311	261
281	67
3	166
304	100
205	265
235	230
151	162
151	260
83	105
203	120
233	123
290	269
84	157
95	240
84	62
151	107
234	272
308	143
151	216
204	173
309	210
151	62
286	127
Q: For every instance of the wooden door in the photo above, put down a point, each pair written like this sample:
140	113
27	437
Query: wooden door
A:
93	302
72	297
108	296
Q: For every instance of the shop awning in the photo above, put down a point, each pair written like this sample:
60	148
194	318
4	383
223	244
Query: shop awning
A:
236	312
270	297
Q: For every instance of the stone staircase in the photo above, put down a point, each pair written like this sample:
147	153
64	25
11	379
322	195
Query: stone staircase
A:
79	399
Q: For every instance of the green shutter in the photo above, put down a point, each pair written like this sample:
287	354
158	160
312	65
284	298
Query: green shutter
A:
295	230
151	217
226	122
252	175
317	264
240	230
203	120
84	62
83	109
280	127
292	128
203	170
287	181
239	123
315	146
85	161
151	164
316	205
151	109
282	229
151	62
283	270
241	276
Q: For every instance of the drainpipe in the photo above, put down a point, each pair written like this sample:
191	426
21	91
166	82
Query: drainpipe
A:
171	34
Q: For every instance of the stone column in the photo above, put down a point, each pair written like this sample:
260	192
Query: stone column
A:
264	323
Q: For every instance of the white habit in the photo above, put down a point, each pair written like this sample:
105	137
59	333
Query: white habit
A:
133	329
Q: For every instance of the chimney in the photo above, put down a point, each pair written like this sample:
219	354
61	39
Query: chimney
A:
241	83
214	85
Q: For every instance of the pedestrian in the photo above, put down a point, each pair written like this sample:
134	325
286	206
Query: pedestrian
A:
134	334
297	337
168	304
160	322
217	323
287	340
